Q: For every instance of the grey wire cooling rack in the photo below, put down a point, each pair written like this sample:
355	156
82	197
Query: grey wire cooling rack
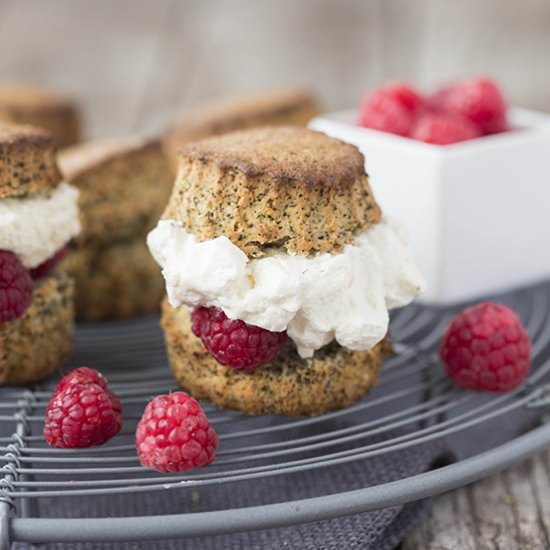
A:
414	404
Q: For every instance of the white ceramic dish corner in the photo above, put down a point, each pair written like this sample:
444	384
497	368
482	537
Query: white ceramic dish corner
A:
477	212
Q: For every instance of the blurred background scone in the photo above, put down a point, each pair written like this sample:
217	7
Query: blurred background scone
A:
38	217
285	106
44	108
124	185
280	270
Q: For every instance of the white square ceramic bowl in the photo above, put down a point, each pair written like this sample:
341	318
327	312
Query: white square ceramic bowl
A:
477	212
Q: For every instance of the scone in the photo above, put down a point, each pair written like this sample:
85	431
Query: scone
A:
44	108
116	281
280	270
289	106
38	217
124	185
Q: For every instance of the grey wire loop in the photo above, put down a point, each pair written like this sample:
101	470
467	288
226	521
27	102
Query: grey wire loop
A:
13	455
18	440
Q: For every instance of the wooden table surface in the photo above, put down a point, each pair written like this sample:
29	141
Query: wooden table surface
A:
136	65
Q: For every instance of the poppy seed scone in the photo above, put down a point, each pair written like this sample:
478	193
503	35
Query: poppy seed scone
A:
47	109
124	185
286	106
27	161
255	189
120	280
280	270
37	344
38	217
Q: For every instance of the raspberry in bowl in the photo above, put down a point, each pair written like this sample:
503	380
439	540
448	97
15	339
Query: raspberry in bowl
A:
476	163
280	272
38	217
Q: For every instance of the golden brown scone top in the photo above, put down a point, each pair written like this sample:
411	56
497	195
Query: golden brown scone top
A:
285	188
39	106
27	161
290	106
124	185
283	154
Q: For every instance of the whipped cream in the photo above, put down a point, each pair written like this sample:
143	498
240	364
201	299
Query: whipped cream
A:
35	228
344	296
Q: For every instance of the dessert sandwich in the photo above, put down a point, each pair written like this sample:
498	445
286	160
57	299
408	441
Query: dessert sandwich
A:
44	108
38	217
280	270
286	106
124	185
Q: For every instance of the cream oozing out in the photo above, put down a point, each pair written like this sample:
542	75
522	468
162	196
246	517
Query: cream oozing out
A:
344	296
35	228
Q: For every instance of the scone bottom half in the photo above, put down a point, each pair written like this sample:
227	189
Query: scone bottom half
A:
36	345
289	386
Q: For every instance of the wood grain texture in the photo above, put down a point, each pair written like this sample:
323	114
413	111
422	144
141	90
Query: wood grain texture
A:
136	65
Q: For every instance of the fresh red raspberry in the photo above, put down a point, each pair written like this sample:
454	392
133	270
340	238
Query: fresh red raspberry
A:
174	434
15	287
80	416
392	109
486	348
46	267
405	95
234	343
480	100
443	129
82	375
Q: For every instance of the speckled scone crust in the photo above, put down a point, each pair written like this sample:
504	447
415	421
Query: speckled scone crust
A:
120	281
124	185
292	107
27	161
334	378
44	108
36	345
288	188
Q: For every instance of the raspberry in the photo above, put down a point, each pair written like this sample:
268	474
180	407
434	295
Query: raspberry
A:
391	109
46	267
443	129
234	343
15	287
82	375
80	416
486	348
480	100
174	434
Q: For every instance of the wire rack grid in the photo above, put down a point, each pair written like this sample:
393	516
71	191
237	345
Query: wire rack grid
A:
413	405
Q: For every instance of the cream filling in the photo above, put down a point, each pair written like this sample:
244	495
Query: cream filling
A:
344	296
35	228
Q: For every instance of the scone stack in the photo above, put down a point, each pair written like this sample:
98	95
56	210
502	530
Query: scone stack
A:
280	270
124	185
38	217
